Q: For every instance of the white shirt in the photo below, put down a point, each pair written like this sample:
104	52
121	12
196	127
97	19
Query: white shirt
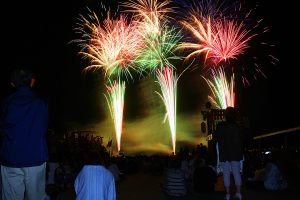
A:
95	182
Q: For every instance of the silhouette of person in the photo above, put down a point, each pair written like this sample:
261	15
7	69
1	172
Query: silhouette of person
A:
228	137
24	124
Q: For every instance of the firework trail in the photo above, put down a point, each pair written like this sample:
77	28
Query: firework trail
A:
112	46
168	84
223	94
115	100
161	41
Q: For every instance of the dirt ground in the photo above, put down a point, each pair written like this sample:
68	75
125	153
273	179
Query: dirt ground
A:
141	186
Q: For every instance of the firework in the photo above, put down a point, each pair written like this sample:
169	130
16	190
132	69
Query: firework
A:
230	40
159	51
202	32
219	40
149	12
115	100
161	41
223	94
168	84
111	45
222	32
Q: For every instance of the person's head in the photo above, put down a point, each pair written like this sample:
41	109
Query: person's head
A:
230	114
174	162
21	77
96	158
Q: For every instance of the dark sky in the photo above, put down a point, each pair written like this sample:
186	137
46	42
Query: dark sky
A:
37	35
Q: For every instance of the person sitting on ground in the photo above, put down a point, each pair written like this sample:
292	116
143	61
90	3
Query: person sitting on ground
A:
273	178
94	181
174	184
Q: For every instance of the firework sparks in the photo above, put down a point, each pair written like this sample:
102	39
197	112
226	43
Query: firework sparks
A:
204	8
202	32
148	7
115	100
150	13
168	84
220	40
159	51
223	92
222	32
111	46
161	41
231	39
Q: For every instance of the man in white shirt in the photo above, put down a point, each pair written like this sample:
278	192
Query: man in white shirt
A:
94	181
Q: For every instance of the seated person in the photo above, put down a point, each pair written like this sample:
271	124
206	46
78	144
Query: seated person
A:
204	177
94	181
174	184
273	178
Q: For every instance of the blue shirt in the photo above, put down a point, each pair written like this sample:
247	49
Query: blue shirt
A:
24	124
95	182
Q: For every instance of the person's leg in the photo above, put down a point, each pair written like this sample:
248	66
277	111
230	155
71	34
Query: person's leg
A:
35	182
236	171
12	183
226	177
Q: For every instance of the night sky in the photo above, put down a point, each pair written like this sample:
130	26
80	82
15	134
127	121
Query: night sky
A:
38	34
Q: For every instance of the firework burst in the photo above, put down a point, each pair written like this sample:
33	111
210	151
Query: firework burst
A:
226	34
111	45
219	40
159	51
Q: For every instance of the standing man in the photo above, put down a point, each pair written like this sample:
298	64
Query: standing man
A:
228	137
23	153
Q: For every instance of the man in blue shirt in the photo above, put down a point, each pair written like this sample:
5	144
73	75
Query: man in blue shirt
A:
23	153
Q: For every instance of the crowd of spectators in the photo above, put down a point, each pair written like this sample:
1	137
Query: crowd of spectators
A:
190	169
